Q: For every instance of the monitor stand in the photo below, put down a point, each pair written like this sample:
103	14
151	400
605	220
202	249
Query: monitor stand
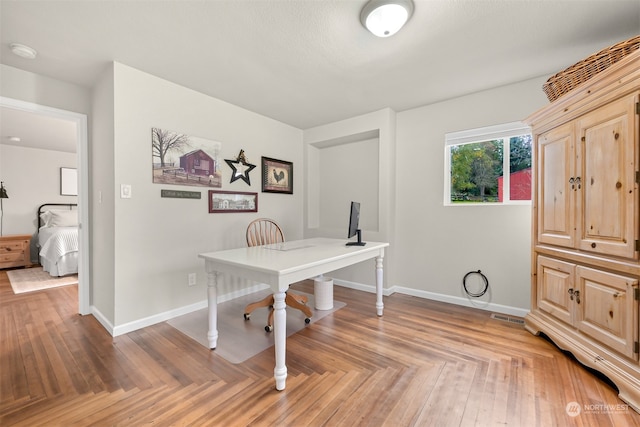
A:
359	242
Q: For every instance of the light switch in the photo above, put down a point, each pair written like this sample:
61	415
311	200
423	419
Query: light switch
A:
125	191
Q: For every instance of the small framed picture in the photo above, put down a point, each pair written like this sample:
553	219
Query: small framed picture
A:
232	201
68	182
277	176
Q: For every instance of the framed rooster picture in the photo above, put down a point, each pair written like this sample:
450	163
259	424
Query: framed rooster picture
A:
277	176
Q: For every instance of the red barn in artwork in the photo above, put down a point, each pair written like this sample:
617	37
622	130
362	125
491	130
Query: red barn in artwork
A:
198	162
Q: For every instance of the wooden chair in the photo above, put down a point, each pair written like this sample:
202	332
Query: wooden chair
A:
264	231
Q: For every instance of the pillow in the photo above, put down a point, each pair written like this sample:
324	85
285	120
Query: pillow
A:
44	218
60	218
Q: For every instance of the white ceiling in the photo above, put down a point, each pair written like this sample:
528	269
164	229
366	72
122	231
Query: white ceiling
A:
310	62
37	130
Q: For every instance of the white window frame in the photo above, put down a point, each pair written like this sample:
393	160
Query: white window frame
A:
488	133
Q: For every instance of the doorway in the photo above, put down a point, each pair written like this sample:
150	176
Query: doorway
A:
80	121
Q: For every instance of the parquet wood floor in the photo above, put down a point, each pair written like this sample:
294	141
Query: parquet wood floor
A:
424	363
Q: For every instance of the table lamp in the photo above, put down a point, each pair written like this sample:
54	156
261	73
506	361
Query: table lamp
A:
3	195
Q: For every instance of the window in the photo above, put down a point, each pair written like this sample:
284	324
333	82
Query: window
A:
489	165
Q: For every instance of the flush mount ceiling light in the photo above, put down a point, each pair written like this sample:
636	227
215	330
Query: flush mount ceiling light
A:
23	51
14	139
384	18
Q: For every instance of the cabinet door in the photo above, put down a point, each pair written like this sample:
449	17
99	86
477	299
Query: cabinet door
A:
607	168
555	196
607	310
555	281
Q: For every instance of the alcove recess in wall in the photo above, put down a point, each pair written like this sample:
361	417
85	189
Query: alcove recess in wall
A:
338	171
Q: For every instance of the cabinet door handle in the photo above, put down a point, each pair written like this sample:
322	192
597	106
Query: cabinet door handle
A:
571	180
571	294
577	294
578	181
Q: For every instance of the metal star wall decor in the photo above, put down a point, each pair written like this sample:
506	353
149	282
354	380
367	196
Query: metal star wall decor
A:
240	167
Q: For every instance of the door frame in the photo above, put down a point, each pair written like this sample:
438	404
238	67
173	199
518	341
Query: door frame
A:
82	151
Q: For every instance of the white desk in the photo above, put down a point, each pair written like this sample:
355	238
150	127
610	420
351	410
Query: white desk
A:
280	265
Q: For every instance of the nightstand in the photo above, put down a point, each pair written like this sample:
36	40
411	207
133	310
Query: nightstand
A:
15	251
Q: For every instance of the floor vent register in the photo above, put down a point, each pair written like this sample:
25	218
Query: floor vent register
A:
505	318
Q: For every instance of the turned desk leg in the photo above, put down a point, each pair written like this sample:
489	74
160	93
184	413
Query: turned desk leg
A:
379	303
280	337
212	298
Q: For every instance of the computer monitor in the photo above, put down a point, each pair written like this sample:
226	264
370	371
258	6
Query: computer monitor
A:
354	228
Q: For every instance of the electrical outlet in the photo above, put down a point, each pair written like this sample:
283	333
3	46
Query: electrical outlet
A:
192	279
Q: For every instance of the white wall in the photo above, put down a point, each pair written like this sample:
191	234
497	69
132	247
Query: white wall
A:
143	248
31	177
437	245
352	159
432	246
103	200
157	240
38	89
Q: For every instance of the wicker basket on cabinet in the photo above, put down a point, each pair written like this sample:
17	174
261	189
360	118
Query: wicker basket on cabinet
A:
566	80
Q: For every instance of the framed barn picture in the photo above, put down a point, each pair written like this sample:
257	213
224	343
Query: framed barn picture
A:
277	176
180	159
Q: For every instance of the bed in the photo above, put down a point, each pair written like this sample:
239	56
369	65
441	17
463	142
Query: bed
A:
58	238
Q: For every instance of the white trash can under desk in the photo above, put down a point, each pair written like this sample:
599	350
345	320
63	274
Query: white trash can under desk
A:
323	293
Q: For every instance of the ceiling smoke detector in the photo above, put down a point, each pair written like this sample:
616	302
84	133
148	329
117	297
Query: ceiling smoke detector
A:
23	51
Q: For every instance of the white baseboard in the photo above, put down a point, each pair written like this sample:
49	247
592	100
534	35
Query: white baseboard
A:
362	287
482	305
167	315
102	319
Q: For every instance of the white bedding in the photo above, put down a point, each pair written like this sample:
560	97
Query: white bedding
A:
59	250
